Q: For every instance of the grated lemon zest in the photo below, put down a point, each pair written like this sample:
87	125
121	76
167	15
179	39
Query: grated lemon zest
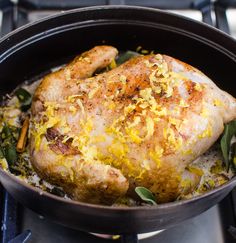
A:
198	87
93	92
218	102
150	127
206	133
113	64
133	135
72	109
156	155
79	102
183	103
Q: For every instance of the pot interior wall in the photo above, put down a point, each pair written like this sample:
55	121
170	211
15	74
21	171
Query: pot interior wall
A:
59	47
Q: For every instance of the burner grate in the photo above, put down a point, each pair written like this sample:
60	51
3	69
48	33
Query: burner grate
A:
24	6
9	212
7	16
221	7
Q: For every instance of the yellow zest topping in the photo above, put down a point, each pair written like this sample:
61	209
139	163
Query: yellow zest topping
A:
3	164
183	103
111	105
156	119
195	170
98	139
174	121
144	51
147	99
156	155
93	92
128	109
138	48
147	63
136	121
72	98
72	109
123	79
206	133
218	102
112	64
133	134
159	57
187	152
172	141
204	113
67	74
198	87
162	112
86	59
63	126
65	139
146	164
79	102
118	149
41	127
161	79
169	91
150	127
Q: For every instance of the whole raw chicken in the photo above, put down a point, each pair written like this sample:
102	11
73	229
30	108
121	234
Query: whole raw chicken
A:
139	124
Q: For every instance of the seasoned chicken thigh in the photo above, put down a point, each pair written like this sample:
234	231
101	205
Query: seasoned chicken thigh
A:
139	124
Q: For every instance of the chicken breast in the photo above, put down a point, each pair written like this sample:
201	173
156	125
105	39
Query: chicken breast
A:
139	124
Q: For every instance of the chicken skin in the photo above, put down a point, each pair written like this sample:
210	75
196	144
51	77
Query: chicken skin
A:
139	124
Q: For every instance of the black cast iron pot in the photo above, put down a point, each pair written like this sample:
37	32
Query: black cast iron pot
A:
35	48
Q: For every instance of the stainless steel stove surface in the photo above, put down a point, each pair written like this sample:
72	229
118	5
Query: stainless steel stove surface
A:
213	226
205	228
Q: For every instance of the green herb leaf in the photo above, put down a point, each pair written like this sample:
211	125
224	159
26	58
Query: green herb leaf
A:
233	154
24	97
125	57
145	195
6	132
229	132
1	153
8	145
58	192
10	154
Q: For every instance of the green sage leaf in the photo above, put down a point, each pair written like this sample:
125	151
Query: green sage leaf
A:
145	195
24	97
58	192
233	154
10	154
6	133
1	153
229	132
123	57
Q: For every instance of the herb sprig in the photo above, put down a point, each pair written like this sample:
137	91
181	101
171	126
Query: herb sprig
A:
8	145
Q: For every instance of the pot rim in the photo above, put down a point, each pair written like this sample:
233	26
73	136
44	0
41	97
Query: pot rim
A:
112	7
125	7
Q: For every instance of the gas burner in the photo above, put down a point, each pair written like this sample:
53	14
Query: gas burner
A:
139	237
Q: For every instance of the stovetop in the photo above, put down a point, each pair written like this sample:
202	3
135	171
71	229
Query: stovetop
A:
213	226
209	227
